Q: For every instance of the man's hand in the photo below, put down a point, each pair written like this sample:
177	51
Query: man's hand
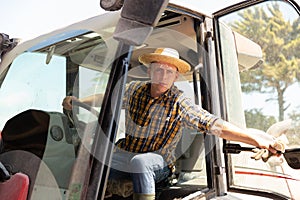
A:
267	145
265	154
278	131
67	102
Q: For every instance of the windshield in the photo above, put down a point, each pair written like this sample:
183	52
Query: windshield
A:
75	62
264	96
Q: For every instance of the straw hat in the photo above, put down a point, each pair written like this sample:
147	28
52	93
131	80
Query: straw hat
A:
166	55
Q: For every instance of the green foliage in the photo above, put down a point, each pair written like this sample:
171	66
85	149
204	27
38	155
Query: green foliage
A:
256	119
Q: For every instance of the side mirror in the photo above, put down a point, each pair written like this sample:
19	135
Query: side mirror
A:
249	53
6	44
111	5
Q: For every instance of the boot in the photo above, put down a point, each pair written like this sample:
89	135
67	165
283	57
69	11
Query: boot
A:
137	196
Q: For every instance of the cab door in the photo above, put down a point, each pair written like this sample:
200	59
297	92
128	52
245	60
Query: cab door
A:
132	29
259	89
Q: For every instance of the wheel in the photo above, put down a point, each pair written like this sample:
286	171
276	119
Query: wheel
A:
73	118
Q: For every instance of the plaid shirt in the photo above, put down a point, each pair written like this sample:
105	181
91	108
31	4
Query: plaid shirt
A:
155	124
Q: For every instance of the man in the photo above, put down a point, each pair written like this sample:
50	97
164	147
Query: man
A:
156	111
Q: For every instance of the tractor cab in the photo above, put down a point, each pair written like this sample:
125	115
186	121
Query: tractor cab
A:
67	154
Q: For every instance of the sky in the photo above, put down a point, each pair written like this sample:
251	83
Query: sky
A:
31	18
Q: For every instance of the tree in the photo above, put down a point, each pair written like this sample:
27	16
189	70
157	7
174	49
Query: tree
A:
280	43
256	119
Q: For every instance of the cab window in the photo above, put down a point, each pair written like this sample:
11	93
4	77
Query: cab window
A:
264	96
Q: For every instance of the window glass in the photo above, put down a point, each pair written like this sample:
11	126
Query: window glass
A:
32	117
264	96
32	84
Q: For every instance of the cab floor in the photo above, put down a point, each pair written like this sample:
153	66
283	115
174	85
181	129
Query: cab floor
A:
170	193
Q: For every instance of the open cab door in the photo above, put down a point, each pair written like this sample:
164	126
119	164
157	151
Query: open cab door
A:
259	88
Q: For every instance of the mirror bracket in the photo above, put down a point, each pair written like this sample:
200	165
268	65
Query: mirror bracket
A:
138	17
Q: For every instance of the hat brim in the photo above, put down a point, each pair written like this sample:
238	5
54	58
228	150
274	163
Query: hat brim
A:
181	65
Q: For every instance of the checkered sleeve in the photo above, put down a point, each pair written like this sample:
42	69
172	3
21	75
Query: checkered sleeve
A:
196	117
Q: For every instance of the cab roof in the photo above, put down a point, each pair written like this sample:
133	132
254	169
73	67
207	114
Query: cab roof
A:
205	7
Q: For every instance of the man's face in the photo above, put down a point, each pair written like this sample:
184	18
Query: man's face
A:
162	75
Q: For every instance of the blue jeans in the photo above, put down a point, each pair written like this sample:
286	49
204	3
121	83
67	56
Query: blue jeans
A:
144	169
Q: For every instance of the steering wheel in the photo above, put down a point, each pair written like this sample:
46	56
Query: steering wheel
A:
73	119
79	126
